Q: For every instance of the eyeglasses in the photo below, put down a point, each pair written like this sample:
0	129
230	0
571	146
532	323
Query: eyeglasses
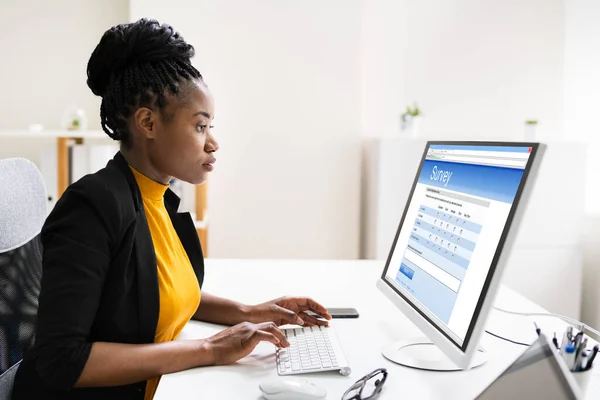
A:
367	387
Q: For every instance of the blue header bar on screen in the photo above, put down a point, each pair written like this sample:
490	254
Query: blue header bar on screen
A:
494	183
506	149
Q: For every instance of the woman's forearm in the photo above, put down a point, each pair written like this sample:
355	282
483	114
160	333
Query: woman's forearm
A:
114	364
222	311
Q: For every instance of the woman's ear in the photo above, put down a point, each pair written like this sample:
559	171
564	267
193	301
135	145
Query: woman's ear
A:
144	121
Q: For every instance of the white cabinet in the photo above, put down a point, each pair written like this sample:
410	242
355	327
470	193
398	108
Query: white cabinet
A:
546	261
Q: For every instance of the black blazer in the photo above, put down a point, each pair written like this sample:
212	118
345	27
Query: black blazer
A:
99	282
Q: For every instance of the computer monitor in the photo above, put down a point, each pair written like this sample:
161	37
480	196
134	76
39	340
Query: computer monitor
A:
447	258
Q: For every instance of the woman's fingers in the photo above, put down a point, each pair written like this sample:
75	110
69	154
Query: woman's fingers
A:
262	336
310	320
308	304
271	328
286	316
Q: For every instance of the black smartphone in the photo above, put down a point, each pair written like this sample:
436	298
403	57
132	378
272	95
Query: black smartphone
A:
343	312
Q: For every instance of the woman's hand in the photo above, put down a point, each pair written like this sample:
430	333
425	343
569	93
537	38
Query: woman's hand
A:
289	310
237	342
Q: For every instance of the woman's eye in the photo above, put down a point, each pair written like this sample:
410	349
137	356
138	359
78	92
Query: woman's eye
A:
202	128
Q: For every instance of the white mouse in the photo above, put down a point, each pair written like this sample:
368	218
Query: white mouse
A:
285	388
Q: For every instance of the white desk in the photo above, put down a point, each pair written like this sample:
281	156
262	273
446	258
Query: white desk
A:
345	284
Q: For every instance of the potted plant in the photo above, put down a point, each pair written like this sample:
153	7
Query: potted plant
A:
530	127
74	119
411	120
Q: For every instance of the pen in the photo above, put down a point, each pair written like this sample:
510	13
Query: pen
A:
570	333
591	358
564	340
555	341
583	345
577	339
569	356
537	329
582	365
579	351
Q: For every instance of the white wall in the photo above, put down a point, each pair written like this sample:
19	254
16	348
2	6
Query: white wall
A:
45	49
286	79
582	70
582	122
383	44
478	69
582	85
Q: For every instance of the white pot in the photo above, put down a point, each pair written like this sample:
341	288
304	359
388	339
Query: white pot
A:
530	132
414	127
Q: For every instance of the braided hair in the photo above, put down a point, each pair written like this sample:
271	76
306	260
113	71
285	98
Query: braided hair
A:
135	65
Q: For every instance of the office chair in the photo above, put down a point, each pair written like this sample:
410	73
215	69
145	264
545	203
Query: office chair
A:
22	214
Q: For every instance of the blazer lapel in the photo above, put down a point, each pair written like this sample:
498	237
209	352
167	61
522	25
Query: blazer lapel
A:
145	258
184	226
148	293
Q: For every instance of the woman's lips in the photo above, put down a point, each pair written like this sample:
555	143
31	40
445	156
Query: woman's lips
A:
209	166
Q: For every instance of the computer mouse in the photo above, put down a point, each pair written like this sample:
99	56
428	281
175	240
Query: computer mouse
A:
286	388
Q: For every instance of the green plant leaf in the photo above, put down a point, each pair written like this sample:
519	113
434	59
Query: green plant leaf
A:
413	112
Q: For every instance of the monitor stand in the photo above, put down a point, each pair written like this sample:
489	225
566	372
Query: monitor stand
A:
421	353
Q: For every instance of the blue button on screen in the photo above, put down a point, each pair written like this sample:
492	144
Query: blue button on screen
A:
409	273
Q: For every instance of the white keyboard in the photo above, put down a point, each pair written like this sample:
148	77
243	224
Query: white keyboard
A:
312	349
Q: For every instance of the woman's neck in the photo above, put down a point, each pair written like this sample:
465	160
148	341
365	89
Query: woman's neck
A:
140	161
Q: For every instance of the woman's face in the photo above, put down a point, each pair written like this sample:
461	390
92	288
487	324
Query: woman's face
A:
183	146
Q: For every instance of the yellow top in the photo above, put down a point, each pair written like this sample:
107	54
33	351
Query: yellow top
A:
178	287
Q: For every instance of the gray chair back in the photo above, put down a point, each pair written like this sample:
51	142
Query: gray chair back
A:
23	202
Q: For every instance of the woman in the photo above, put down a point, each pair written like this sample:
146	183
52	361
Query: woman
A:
122	270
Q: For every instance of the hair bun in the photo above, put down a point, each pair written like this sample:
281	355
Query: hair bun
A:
144	41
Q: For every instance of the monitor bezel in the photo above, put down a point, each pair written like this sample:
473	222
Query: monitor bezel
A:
462	354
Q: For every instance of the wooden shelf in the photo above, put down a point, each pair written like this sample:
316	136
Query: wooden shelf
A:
201	217
84	134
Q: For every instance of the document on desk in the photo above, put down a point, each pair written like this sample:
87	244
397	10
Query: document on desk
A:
457	214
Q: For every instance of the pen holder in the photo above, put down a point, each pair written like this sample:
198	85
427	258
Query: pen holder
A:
583	379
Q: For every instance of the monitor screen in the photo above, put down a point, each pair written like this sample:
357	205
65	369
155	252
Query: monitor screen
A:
453	228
